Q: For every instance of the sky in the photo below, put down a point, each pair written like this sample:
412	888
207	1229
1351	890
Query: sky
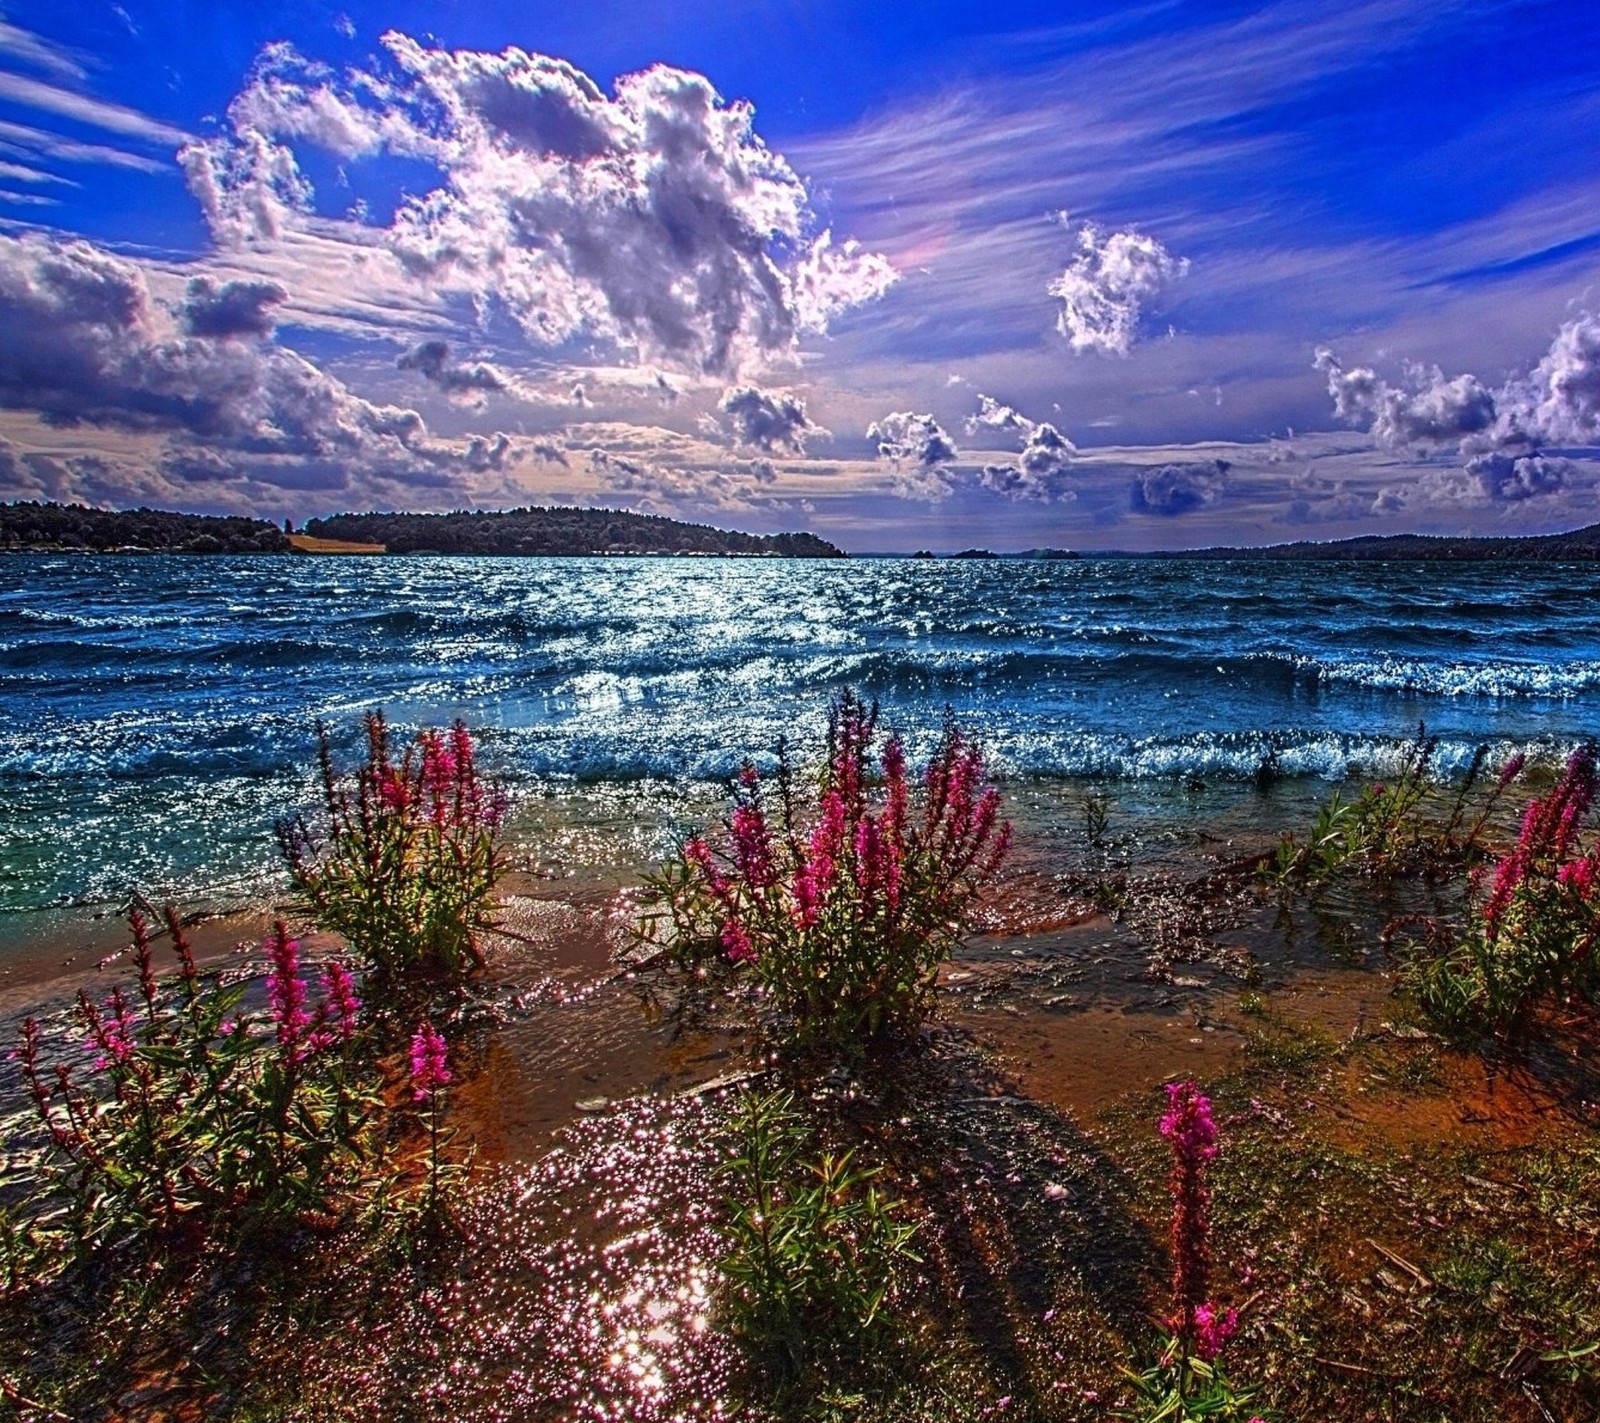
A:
1079	275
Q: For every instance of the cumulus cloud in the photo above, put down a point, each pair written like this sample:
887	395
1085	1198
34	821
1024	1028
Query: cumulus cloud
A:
1040	469
1106	287
1564	391
84	343
466	384
1428	410
767	419
992	415
227	309
1509	479
1501	434
1176	489
655	218
905	438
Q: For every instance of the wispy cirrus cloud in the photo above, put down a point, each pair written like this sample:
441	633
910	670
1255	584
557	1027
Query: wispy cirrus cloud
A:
86	109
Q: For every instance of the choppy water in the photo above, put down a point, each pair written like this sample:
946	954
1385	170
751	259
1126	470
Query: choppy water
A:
156	713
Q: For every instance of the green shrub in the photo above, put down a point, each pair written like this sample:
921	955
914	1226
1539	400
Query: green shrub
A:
814	1248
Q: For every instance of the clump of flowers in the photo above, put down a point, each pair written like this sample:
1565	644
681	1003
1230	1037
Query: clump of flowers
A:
842	901
192	1118
1188	1383
407	854
1535	918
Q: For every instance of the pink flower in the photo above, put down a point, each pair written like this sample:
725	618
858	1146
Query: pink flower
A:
1512	769
1213	1329
110	1029
736	943
339	984
752	847
1188	1125
286	991
1187	1122
430	1063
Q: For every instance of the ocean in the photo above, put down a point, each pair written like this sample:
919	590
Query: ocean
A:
157	713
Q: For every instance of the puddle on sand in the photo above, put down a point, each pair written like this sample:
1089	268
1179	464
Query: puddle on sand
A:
582	1292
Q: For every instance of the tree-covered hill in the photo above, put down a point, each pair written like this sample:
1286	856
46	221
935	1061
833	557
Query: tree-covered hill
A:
558	531
76	526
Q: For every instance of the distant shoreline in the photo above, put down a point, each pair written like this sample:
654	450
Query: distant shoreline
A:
567	532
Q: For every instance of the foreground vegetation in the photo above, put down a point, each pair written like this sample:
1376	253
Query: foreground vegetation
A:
240	1197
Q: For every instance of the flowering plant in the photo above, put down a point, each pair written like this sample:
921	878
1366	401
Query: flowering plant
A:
843	903
1188	1383
192	1117
1535	918
406	861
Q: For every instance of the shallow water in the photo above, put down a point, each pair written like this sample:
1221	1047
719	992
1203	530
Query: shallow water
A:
156	714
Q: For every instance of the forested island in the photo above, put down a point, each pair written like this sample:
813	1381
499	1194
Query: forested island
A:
78	528
1576	546
41	527
559	531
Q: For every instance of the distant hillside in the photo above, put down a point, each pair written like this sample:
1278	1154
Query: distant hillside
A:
558	532
1579	545
76	526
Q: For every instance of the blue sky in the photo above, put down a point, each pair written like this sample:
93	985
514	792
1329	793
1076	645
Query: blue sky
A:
1096	276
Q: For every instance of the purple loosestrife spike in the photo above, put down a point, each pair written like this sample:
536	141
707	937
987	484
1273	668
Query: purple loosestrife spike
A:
1512	769
430	1063
752	847
1188	1125
286	991
736	943
1213	1328
339	984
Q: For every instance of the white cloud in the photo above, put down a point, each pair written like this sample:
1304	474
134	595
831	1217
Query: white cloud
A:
1040	469
27	48
1501	433
655	220
468	384
1430	410
1105	288
23	141
907	438
98	113
995	416
83	342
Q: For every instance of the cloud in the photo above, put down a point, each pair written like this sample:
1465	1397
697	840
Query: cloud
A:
97	113
240	308
995	416
1106	287
20	140
470	384
1430	410
1566	384
652	485
1176	489
21	45
84	343
1042	465
767	420
1499	433
906	438
654	219
1509	479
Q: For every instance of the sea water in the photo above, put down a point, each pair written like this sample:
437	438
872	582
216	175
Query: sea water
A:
158	713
